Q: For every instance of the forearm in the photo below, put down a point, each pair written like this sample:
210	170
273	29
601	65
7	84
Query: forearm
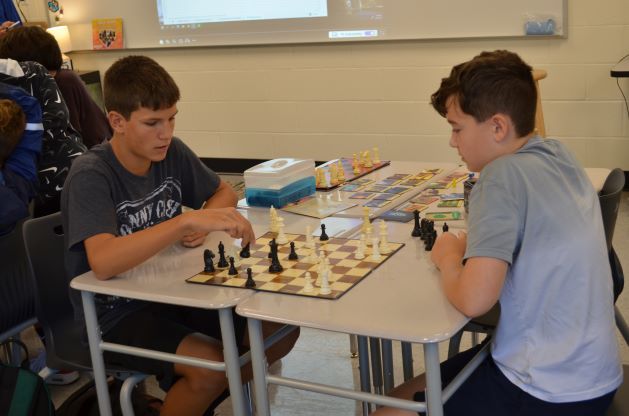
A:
225	196
451	270
109	255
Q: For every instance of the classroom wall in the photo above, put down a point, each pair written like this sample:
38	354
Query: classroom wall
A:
322	101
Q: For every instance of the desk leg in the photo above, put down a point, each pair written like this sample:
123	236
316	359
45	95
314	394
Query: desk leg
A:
407	360
98	364
232	364
258	364
376	364
433	380
363	368
387	364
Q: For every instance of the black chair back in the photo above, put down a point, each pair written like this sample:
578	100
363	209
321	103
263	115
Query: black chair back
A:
17	294
609	197
43	238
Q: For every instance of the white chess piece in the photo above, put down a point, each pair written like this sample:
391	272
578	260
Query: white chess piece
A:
376	155
362	246
366	222
375	252
281	237
309	239
309	287
385	248
369	235
325	283
273	219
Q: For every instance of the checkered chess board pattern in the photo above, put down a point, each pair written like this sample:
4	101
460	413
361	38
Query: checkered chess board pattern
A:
346	270
348	169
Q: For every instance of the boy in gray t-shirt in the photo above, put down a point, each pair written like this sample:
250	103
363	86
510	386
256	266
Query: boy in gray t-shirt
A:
536	243
122	203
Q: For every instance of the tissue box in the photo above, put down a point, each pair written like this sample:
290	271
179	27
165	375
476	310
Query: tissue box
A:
278	182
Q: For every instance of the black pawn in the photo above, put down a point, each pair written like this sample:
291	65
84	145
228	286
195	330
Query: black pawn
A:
250	283
208	259
417	231
293	254
245	253
323	236
232	267
445	227
222	260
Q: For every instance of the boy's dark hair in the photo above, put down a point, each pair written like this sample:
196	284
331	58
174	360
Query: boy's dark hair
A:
31	43
138	81
12	125
491	83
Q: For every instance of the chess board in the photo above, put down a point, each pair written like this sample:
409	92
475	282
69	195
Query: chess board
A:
348	170
346	271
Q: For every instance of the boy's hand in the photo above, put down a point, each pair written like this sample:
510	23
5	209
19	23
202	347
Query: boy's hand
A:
228	220
449	246
193	239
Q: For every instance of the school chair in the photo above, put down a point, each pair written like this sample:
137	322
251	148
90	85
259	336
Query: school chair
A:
44	243
540	127
17	295
609	198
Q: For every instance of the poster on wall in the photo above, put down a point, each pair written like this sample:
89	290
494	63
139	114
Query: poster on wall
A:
107	34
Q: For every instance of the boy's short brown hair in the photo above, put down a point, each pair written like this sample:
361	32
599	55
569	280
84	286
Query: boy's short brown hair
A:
138	81
12	125
31	43
491	83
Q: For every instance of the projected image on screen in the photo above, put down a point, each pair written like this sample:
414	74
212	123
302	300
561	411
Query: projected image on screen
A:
173	12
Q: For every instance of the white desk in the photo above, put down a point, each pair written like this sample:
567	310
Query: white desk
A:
162	279
391	304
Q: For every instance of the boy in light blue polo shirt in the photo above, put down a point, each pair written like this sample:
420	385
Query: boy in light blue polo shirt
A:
535	243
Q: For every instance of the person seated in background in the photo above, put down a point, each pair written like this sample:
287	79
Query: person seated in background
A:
33	43
15	191
61	143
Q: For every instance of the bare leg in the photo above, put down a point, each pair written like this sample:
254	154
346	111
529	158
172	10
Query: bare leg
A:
403	391
193	393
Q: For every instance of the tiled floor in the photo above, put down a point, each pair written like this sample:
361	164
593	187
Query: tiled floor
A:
324	357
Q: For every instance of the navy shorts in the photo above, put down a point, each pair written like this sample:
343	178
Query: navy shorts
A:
162	327
488	392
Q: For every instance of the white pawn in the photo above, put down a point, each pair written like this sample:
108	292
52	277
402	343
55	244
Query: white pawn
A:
385	248
375	252
325	283
281	237
368	235
309	287
362	246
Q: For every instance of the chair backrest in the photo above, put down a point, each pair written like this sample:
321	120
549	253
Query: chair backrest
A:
44	241
609	198
17	294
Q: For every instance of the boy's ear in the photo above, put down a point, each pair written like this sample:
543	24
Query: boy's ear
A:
117	121
501	126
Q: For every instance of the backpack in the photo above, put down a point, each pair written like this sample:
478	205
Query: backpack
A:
22	392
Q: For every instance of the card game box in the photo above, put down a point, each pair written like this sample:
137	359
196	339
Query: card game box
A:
278	182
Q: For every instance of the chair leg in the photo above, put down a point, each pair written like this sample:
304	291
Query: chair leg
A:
455	344
353	346
125	393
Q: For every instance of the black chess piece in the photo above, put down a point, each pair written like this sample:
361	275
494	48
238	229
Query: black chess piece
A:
273	246
276	266
250	283
445	227
208	260
417	232
222	260
245	253
323	236
293	254
232	267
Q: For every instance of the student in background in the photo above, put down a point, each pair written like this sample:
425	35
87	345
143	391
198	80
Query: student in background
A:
123	203
32	43
535	243
61	143
15	191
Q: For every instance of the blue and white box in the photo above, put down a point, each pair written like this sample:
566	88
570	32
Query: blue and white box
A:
278	182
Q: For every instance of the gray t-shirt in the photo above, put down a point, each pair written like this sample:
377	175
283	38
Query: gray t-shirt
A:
537	210
101	196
